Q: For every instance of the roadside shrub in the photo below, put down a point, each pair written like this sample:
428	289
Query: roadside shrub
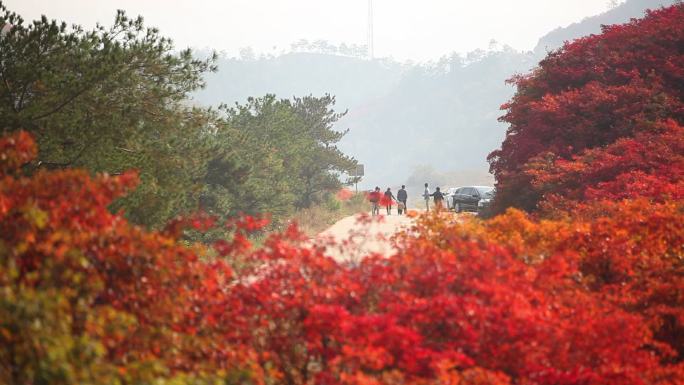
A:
87	297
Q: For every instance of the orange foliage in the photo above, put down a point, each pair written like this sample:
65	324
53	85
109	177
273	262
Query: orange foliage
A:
344	194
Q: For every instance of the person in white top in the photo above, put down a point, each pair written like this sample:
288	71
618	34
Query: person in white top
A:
426	195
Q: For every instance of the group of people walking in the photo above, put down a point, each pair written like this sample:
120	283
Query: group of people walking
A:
378	199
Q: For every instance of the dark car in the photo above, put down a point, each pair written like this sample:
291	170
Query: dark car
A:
484	205
467	198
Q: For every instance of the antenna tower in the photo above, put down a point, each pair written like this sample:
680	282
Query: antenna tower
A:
370	42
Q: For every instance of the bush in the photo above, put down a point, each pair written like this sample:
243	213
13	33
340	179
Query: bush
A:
86	297
597	117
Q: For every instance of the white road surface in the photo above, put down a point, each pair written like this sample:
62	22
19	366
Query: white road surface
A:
353	238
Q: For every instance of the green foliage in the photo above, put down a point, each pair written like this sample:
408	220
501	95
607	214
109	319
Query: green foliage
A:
315	219
299	139
332	204
108	99
113	99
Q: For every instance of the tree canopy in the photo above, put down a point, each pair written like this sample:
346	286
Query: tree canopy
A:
583	102
117	98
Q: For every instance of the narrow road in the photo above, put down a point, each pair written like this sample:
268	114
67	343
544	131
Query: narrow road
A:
354	237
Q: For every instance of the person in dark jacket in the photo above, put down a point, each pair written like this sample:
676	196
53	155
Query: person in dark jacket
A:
402	197
439	199
389	197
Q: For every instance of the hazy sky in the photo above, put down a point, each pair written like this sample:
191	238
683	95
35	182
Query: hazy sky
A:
418	30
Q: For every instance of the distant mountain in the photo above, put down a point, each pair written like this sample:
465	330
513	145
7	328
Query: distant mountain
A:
592	25
401	116
444	117
352	80
435	122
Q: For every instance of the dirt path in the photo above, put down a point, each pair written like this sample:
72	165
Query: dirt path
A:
355	238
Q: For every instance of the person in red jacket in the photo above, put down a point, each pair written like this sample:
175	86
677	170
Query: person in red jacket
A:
374	198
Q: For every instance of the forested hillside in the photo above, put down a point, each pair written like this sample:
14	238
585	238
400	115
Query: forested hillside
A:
400	116
622	13
434	119
443	117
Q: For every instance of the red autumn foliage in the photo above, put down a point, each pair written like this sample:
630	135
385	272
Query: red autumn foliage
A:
344	194
589	94
592	300
16	151
58	235
386	200
375	196
650	164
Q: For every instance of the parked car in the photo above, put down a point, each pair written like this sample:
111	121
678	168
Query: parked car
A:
468	198
449	197
484	205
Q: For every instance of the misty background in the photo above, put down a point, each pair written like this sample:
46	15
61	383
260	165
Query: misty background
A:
409	123
414	116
